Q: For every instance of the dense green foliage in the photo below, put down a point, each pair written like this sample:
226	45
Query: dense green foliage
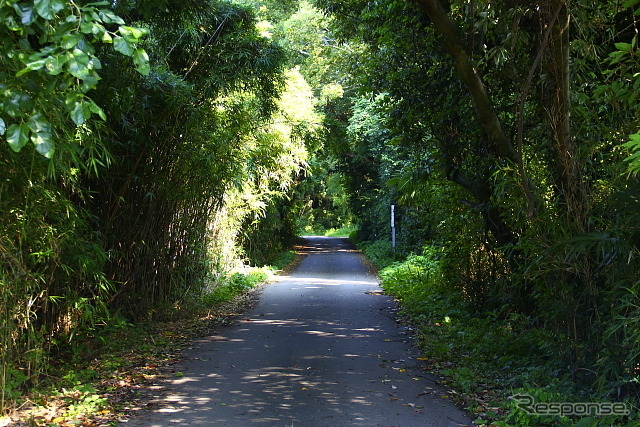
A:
149	172
499	130
153	148
485	357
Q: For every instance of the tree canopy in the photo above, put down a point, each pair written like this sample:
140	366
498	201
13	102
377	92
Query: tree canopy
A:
152	146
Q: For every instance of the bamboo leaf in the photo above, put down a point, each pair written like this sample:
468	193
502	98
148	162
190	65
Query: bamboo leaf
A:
624	47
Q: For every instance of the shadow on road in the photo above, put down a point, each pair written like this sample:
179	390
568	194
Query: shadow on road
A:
322	348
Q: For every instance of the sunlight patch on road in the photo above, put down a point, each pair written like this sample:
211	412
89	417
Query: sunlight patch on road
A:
170	410
316	281
184	380
334	335
278	322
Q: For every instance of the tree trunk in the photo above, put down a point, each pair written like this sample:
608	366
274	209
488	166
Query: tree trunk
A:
568	176
499	144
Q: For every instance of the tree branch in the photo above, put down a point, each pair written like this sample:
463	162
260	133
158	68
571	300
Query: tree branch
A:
482	104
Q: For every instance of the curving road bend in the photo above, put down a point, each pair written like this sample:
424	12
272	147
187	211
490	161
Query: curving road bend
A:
320	349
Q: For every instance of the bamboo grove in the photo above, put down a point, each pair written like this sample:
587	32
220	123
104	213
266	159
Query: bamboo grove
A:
144	143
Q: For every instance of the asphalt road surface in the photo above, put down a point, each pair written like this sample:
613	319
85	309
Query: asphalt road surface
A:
320	349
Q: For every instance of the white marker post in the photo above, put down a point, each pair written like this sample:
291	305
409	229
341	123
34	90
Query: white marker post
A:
393	226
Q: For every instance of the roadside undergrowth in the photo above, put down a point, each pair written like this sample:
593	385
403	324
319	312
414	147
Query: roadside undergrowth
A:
101	376
498	365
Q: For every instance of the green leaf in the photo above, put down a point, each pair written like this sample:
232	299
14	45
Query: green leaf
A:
77	114
54	64
13	25
78	64
123	46
630	3
615	57
17	136
132	32
3	127
586	422
43	7
94	108
25	45
109	17
90	82
69	41
95	64
89	28
38	124
141	59
48	8
27	16
106	37
57	5
44	144
624	47
17	103
31	66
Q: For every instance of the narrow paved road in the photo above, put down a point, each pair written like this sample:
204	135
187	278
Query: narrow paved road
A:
320	349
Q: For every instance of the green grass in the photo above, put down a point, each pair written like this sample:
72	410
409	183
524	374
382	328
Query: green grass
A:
234	284
89	376
485	358
283	260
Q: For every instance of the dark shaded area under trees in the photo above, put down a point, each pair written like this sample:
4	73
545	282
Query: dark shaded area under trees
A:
497	131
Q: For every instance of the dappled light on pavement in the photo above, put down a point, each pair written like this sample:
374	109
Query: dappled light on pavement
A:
321	349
